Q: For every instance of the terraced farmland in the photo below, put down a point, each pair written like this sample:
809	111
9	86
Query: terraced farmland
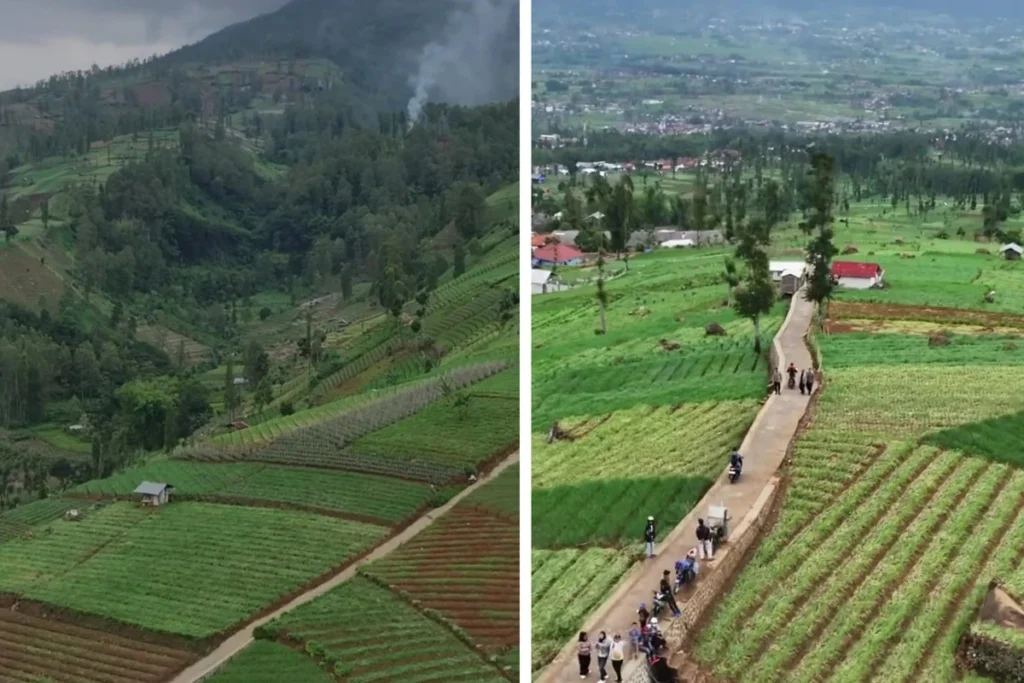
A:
466	566
352	622
20	520
245	557
381	499
446	438
566	587
651	409
268	662
36	648
890	531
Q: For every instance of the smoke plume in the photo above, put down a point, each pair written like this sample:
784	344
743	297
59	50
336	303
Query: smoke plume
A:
474	61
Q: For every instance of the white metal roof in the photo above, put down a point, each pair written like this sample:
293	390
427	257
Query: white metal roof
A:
1012	246
151	488
783	266
539	276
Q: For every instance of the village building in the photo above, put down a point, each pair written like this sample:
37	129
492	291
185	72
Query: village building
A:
778	268
857	275
557	255
1012	251
154	494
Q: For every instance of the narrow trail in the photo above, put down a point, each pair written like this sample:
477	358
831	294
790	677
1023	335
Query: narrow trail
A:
764	449
209	664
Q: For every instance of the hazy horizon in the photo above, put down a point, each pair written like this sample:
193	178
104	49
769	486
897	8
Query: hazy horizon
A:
51	36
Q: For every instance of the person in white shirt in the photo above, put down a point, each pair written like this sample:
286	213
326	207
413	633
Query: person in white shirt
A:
618	655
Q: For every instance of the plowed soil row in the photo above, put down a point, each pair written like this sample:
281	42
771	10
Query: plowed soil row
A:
840	310
40	648
466	567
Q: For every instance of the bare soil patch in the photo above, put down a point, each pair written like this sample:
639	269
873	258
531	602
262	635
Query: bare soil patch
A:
841	310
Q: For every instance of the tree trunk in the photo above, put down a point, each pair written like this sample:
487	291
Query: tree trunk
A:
757	334
604	322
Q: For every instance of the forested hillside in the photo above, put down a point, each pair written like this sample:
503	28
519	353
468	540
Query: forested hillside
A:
239	230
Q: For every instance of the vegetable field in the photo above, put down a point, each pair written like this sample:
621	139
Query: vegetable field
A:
388	500
500	495
567	585
267	662
652	409
447	437
466	566
246	557
22	519
372	636
46	649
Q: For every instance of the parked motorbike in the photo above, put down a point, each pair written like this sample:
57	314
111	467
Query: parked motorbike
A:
734	473
658	603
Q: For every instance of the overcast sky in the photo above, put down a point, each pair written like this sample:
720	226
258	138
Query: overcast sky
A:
42	37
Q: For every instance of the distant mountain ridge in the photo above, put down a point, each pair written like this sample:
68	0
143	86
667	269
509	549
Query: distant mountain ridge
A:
378	44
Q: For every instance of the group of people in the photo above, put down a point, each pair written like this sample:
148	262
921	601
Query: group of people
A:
613	649
808	378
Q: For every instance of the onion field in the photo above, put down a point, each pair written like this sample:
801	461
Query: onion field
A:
466	566
267	662
20	520
388	500
374	636
34	648
567	585
192	569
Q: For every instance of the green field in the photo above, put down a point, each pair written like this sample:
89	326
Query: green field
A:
380	498
890	530
653	408
166	565
337	625
266	662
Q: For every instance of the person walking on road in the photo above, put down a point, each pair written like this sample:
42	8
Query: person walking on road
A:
803	381
704	536
666	591
810	380
604	648
618	656
777	381
650	534
583	654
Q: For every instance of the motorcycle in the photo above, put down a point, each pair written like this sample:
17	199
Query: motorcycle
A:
685	573
734	473
658	603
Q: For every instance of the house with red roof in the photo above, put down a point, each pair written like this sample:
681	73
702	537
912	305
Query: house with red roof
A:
857	274
539	240
557	255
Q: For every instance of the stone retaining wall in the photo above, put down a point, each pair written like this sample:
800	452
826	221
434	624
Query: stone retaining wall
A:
711	588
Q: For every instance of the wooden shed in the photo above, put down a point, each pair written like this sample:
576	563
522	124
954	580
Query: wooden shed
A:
154	493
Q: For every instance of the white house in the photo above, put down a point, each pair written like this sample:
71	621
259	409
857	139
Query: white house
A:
544	281
857	274
777	268
154	493
1012	251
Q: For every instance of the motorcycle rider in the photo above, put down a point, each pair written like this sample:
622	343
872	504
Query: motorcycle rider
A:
736	460
791	371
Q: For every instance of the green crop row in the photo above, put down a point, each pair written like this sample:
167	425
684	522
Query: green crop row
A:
266	662
358	627
188	568
383	498
567	586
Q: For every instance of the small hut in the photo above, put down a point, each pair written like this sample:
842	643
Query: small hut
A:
1012	251
154	494
790	282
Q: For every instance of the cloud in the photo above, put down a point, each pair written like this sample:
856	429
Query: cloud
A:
43	37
